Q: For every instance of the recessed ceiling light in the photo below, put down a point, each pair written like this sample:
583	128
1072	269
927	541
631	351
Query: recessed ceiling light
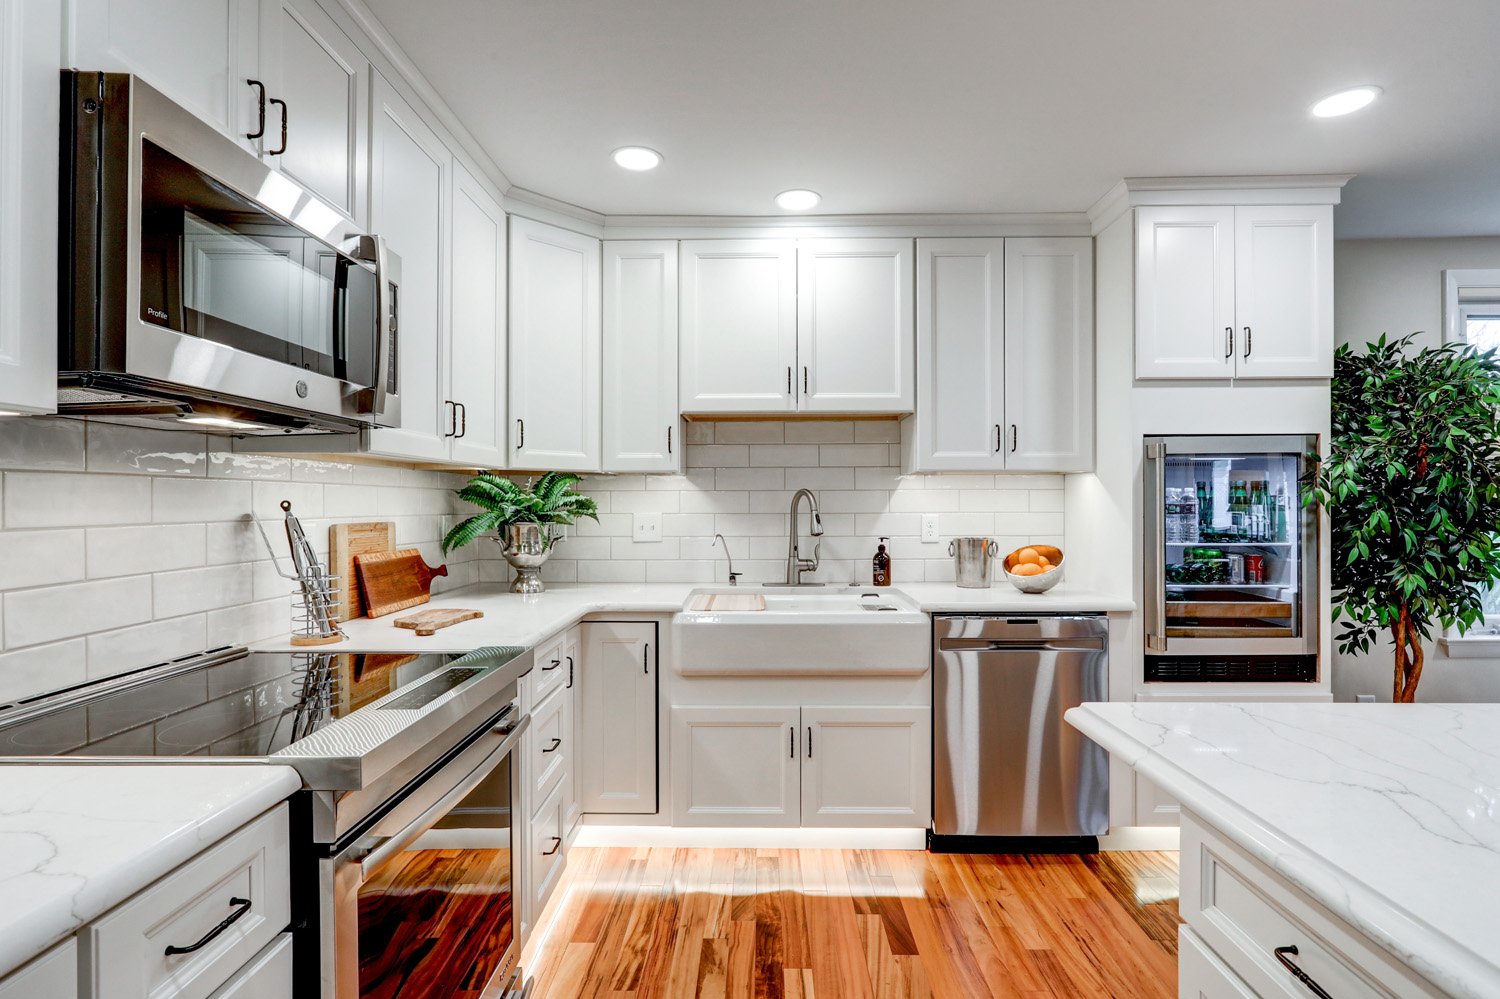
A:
219	421
798	201
637	157
1345	101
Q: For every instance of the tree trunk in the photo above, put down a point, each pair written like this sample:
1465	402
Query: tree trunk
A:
1409	657
1398	635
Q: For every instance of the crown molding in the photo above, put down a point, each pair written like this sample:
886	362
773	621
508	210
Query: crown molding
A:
1281	189
844	226
563	214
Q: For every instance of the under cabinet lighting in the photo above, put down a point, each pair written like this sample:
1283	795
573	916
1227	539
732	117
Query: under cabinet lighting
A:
798	201
1345	102
219	421
9	412
637	157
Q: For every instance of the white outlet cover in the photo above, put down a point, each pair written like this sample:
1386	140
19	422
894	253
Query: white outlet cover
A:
646	527
929	529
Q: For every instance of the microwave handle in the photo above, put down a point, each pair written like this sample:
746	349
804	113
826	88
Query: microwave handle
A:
384	340
387	849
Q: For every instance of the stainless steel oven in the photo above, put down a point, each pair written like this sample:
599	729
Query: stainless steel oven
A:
200	284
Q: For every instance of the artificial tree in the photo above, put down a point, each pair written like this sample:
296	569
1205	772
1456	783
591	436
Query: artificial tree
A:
1411	483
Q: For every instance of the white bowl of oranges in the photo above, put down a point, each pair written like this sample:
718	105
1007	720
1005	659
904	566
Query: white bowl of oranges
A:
1035	568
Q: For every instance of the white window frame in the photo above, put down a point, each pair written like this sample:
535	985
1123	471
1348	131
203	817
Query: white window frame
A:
1456	313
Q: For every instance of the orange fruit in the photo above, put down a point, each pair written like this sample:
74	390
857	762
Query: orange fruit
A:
1028	556
1027	569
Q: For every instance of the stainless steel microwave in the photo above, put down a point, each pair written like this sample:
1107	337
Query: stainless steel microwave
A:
200	285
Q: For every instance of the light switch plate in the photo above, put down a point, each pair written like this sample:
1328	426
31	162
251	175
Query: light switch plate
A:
929	529
646	527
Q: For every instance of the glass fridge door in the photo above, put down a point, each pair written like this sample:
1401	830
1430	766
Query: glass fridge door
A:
1232	545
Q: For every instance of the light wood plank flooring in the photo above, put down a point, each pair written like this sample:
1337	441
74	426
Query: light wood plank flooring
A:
859	924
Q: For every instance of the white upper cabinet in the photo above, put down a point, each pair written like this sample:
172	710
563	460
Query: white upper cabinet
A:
855	325
198	52
1283	291
410	171
960	357
642	429
30	36
477	358
1184	300
320	78
738	326
1224	292
554	348
1049	354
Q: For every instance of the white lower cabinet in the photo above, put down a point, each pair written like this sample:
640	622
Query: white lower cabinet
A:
1200	973
269	976
618	670
571	694
549	783
51	976
810	766
546	845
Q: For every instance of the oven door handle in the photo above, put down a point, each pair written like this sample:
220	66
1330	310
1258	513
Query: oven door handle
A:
387	849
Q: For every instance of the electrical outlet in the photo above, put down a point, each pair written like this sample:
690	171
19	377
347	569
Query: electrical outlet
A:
1364	698
929	529
646	527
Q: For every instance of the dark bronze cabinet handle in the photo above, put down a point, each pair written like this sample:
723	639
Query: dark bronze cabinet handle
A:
452	417
791	743
555	663
570	673
804	379
282	104
521	427
1298	973
260	131
553	748
1228	342
669	440
1247	341
997	438
211	935
1012	438
463	415
809	742
789	380
556	845
646	659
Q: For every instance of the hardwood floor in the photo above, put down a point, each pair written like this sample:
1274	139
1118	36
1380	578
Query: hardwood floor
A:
859	924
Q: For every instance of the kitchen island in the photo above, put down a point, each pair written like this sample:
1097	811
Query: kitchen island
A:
1362	841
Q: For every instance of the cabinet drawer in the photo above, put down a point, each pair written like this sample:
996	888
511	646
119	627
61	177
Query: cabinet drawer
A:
126	949
1200	973
54	975
550	748
268	976
550	671
546	848
1244	912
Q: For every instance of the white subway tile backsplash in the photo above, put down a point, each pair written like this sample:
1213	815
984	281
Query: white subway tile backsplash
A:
42	499
877	432
820	432
750	478
233	465
306	499
37	558
822	478
750	432
198	500
248	623
124	551
308	470
784	455
854	454
698	432
992	500
144	451
54	445
191	590
42	667
112	652
645	502
718	455
613	571
708	501
53	612
750	525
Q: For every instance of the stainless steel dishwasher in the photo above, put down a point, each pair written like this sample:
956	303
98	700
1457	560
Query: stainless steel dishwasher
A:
1009	774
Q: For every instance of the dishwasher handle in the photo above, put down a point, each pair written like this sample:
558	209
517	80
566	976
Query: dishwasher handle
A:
1043	645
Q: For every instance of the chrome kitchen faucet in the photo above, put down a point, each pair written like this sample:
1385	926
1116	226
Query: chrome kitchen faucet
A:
795	564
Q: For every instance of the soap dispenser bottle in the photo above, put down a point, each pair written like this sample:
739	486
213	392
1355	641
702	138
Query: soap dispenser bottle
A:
881	565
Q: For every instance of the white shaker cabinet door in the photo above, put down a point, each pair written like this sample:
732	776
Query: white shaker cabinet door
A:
554	348
30	36
867	766
54	975
1185	295
409	170
642	428
320	77
476	369
960	358
735	766
1049	354
200	53
1283	298
855	339
738	325
617	734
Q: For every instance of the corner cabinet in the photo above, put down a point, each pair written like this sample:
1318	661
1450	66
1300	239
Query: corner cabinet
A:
30	39
788	326
618	669
554	348
1005	356
1234	292
642	430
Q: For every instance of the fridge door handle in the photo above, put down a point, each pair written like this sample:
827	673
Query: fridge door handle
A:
1157	477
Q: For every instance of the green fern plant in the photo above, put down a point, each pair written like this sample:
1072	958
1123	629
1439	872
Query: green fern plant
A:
503	502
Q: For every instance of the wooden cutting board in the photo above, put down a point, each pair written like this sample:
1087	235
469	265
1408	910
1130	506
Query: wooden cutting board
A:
346	541
729	602
394	581
428	621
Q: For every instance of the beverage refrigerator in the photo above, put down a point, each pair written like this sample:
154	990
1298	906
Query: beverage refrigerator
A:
1231	559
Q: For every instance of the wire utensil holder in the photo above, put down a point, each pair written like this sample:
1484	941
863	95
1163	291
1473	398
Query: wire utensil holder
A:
315	605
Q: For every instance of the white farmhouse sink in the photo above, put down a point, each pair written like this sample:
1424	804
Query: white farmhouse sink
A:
824	631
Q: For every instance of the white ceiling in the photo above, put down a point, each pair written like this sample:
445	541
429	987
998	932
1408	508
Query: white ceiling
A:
893	106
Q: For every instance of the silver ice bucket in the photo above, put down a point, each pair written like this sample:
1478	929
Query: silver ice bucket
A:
972	561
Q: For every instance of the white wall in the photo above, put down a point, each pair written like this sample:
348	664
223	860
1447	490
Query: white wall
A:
122	547
1395	286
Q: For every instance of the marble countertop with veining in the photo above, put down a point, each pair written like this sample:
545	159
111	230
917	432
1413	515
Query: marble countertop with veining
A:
1387	814
76	839
526	619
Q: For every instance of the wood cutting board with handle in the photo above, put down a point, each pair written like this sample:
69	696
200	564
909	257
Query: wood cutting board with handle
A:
345	541
394	581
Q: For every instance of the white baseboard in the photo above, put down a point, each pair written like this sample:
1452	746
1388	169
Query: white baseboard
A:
753	838
1141	838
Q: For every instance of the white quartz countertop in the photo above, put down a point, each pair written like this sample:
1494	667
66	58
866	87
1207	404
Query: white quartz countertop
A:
526	619
1387	814
76	840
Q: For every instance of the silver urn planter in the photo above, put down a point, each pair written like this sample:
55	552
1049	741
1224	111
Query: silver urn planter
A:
526	547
